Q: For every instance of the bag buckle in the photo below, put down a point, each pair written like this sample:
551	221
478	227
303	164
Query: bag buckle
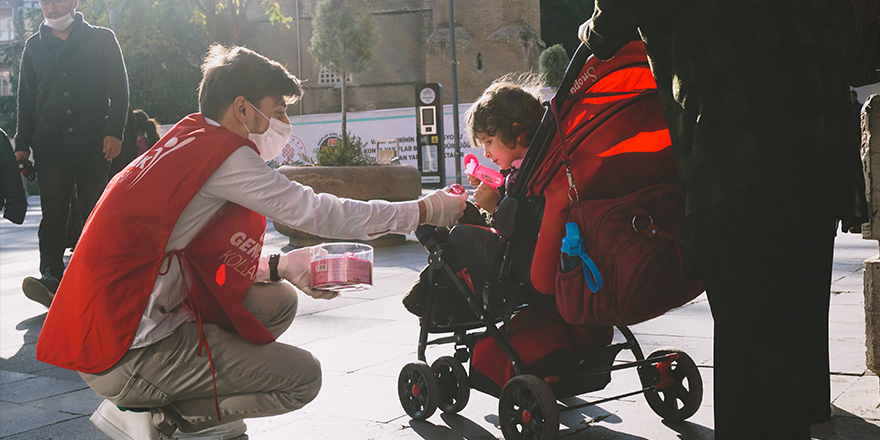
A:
572	189
650	229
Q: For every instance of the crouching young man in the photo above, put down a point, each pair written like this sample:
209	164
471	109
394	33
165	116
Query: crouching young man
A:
167	309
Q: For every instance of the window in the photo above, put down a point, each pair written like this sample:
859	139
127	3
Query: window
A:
5	82
5	24
327	77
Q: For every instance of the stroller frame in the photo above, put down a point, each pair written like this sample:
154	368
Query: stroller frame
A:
528	404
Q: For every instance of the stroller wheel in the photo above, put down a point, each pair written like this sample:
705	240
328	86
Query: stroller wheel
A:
418	390
527	409
453	384
680	399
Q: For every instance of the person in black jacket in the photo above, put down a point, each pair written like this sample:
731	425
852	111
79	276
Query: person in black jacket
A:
72	108
13	199
755	96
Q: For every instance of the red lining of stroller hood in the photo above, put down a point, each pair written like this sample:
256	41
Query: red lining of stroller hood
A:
618	143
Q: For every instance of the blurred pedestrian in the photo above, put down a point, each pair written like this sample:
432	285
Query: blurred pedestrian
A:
128	151
755	94
147	131
13	198
72	107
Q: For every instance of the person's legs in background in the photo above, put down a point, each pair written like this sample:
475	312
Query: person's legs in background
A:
769	290
56	177
91	180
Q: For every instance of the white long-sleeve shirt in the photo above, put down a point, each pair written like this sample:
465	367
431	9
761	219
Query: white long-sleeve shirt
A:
243	178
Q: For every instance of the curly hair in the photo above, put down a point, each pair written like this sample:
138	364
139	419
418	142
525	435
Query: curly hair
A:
511	99
228	73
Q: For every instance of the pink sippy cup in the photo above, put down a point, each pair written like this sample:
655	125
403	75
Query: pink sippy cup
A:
472	167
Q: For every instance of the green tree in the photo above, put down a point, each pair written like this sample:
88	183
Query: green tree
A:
552	65
27	23
163	43
226	20
343	40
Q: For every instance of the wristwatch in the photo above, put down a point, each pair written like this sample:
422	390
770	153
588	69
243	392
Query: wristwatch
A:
273	268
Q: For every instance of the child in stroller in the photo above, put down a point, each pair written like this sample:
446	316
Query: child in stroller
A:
502	122
478	277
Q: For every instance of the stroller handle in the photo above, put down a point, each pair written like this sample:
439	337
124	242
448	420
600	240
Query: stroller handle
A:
427	236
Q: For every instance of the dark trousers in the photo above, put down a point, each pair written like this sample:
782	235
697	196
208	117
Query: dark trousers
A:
57	176
769	291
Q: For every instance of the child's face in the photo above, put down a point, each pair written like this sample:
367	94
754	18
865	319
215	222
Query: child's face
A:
496	150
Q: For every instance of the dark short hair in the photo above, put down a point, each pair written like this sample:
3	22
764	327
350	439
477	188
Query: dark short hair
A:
510	99
228	73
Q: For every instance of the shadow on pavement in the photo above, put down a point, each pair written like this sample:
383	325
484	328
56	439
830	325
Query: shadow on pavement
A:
845	425
690	431
33	324
580	423
459	428
24	360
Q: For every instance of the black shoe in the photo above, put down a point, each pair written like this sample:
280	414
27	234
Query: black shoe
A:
41	290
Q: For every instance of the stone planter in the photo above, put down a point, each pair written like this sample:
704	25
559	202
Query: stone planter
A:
394	183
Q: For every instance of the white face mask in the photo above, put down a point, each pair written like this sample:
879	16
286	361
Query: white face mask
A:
60	23
271	142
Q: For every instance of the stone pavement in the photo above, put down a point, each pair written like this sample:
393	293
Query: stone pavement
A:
364	339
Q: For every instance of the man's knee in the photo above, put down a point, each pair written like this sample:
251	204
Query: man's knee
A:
305	389
313	389
274	304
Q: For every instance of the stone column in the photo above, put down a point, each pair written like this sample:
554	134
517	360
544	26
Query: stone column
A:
871	231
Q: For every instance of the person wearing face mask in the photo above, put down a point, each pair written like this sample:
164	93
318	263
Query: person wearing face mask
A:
72	109
168	310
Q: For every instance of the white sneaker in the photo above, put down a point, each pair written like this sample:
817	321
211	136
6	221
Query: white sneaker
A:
123	425
227	431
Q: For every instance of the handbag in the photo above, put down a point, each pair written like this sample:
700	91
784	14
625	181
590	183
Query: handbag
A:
634	245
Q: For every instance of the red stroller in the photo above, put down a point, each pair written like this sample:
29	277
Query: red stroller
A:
610	117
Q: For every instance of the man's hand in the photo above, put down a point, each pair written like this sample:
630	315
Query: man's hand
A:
294	266
19	155
112	147
442	208
487	197
582	30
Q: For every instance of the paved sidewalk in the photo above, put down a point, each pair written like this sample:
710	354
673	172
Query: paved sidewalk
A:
364	339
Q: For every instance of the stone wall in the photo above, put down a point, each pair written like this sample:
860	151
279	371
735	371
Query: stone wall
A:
494	37
871	230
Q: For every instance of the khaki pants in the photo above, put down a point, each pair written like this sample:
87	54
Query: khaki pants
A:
252	380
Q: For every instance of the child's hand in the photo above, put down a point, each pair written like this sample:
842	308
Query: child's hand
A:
473	181
487	197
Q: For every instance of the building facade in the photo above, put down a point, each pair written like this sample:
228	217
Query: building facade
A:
493	37
7	33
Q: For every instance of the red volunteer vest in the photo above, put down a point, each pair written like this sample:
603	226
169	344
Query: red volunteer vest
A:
99	304
223	260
